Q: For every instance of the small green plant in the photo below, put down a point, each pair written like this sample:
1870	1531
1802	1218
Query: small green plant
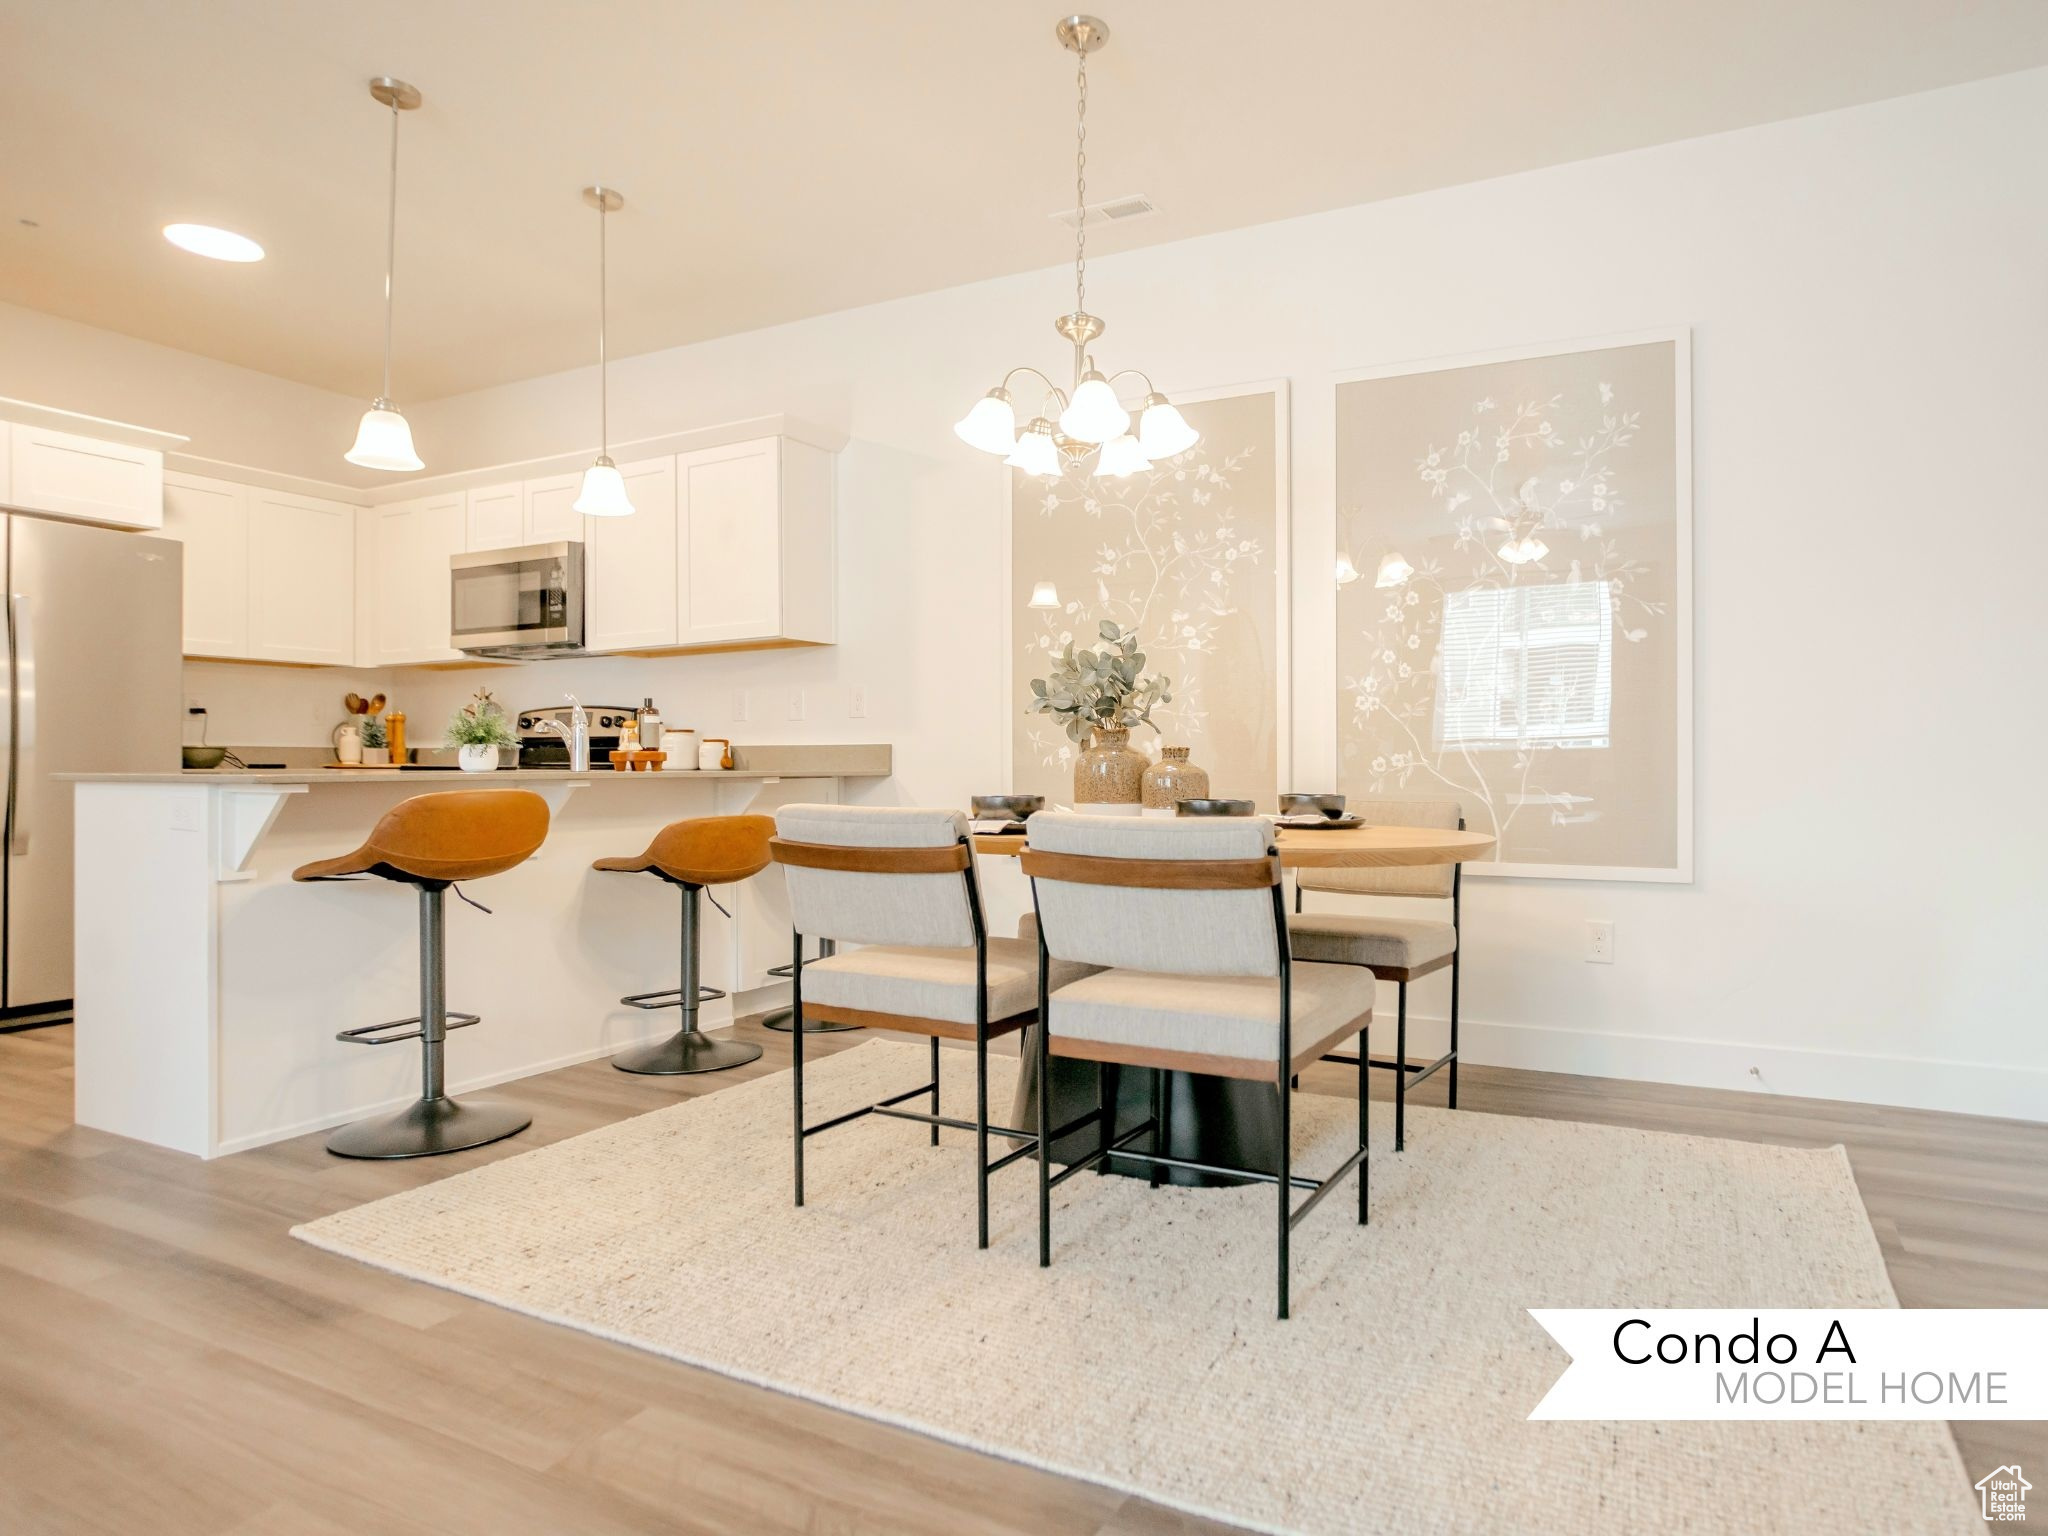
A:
373	731
1101	688
480	723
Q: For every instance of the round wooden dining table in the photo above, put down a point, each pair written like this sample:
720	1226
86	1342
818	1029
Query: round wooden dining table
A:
1221	1121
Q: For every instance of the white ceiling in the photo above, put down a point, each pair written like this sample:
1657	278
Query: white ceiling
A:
783	158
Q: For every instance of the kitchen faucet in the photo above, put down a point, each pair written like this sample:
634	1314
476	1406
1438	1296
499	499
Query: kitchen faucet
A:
576	733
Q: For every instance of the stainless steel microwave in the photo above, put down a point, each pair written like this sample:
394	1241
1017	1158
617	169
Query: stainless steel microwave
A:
522	602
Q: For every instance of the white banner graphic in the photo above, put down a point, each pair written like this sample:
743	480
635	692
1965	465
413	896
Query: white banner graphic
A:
1882	1363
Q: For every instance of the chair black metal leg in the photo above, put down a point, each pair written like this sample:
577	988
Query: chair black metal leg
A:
935	1087
1286	1183
1040	1029
1158	1116
796	1044
1401	1069
980	1125
1364	1120
1456	954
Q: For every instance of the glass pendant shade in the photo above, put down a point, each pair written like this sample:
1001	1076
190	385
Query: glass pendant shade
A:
1094	416
991	426
1347	573
1523	550
1163	431
1035	452
1121	456
384	440
1045	595
604	492
1394	571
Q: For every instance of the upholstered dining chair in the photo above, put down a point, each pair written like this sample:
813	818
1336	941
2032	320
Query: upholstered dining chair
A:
902	884
1396	949
1187	919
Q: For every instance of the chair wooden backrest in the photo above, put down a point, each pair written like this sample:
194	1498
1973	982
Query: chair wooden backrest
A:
1189	896
866	874
1432	881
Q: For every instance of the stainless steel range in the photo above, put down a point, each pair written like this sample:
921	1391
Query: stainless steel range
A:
542	747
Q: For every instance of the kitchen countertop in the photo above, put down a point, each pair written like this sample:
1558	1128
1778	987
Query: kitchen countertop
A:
823	760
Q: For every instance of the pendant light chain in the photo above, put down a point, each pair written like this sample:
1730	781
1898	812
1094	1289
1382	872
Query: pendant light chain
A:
1081	186
390	249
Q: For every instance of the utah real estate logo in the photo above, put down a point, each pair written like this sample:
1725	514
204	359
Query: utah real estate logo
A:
2005	1495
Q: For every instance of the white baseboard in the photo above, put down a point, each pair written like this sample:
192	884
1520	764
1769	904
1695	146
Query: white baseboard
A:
455	1089
1958	1087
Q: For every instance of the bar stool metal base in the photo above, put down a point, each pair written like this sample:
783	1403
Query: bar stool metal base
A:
779	1019
687	1052
429	1127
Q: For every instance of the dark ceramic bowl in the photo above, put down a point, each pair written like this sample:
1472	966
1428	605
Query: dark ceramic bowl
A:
204	757
1006	807
1331	806
1215	808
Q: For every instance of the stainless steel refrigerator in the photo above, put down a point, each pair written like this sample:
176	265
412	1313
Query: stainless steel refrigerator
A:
91	684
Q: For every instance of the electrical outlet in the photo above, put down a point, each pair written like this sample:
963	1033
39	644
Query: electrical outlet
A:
856	703
739	706
1600	942
796	703
185	813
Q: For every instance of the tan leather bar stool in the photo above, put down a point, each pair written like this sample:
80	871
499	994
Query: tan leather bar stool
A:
431	842
706	850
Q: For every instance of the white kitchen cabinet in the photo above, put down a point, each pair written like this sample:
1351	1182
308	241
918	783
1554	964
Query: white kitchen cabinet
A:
66	475
302	568
754	550
211	519
497	516
551	514
404	575
629	565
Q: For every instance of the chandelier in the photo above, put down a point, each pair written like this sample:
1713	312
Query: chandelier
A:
1086	418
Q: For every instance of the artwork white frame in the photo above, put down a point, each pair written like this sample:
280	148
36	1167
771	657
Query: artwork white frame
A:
1680	872
1283	559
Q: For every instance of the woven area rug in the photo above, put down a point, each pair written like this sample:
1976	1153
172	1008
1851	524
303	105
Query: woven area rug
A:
1148	1358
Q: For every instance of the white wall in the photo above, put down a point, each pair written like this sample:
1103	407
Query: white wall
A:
1870	318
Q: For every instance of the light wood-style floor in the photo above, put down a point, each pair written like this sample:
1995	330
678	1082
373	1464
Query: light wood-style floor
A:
172	1362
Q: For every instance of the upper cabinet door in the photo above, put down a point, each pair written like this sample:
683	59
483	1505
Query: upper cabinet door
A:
551	514
302	563
211	519
84	478
729	546
630	589
407	571
497	516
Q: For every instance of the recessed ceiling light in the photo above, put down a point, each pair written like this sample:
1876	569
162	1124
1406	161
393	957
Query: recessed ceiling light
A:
220	244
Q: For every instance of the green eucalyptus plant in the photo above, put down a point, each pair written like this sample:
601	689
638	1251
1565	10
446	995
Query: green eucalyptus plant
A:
373	732
480	723
1101	688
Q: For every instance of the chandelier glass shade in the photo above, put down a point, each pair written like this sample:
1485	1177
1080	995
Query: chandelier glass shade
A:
1092	421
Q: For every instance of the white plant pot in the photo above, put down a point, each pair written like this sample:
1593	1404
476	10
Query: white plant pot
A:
377	756
477	759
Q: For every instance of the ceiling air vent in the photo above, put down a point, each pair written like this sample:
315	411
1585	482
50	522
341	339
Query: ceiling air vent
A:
1136	206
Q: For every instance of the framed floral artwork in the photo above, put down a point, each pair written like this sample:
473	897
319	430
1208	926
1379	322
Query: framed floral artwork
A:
1192	554
1514	605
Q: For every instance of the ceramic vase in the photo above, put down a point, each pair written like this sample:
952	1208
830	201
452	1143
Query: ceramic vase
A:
477	759
1170	779
1108	775
376	757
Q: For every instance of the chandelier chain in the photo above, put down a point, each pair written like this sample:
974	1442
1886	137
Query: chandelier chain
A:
390	248
604	403
1081	186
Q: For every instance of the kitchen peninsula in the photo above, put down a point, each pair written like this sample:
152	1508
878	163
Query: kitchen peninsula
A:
210	987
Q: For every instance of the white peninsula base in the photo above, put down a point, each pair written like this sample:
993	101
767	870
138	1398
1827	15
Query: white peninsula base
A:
209	987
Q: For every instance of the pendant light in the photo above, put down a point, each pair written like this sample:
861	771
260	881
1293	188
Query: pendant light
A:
1089	415
383	440
604	488
1394	571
